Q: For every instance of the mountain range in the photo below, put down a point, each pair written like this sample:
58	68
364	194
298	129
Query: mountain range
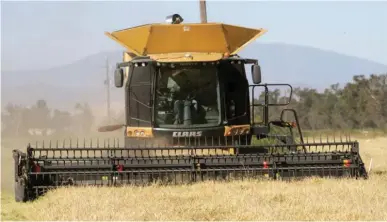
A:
83	80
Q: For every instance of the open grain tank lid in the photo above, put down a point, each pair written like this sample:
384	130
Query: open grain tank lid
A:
156	39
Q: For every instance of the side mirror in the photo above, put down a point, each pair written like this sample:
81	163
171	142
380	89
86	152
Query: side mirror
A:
119	77
256	74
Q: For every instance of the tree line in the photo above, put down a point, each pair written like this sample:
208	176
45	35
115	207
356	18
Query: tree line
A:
39	119
359	104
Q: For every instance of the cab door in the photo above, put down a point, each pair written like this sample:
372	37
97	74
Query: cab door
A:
139	94
236	93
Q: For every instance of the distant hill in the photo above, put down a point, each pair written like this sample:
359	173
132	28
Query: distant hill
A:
309	66
83	80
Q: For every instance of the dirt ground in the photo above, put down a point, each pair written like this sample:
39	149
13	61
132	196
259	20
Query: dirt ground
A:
313	199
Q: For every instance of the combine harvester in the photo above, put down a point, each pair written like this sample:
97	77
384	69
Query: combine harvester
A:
189	117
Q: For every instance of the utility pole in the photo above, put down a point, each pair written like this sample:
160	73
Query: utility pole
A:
107	83
203	11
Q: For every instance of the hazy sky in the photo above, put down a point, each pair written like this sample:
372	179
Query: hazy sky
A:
43	34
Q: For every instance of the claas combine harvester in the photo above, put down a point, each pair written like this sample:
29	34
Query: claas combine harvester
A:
190	116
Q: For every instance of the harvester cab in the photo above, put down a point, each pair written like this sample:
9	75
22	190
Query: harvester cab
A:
190	116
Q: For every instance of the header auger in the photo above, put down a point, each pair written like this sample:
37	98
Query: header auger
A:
190	116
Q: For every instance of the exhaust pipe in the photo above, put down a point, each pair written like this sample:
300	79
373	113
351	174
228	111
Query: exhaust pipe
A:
203	11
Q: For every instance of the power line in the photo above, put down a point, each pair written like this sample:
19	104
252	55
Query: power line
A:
107	83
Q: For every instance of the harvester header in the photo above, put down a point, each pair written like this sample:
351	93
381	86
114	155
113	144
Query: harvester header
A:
209	40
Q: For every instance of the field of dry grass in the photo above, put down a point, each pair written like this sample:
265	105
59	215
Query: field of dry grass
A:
313	199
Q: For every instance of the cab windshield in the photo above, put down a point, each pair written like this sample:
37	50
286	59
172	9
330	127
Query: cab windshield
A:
187	95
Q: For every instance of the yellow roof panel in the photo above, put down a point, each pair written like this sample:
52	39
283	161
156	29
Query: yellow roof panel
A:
155	39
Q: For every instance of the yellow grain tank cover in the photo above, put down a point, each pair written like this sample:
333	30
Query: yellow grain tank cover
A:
157	39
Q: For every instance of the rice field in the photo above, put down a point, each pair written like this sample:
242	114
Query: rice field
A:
311	199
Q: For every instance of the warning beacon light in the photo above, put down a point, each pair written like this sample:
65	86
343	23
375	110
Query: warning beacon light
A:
174	19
